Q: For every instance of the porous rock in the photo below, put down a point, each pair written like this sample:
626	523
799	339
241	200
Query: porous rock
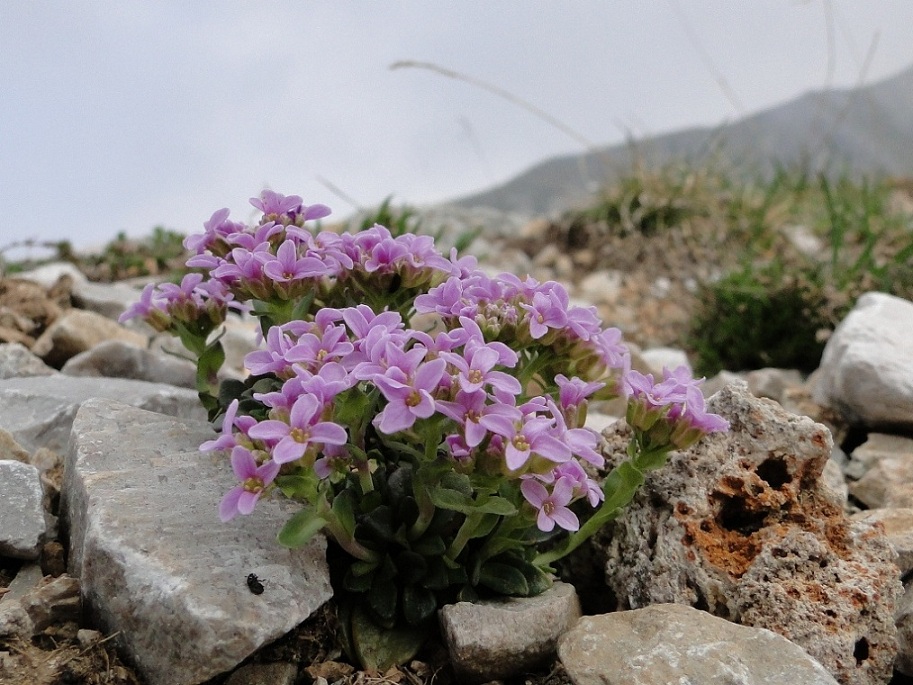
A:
78	330
39	411
504	637
741	525
140	504
672	643
22	520
866	369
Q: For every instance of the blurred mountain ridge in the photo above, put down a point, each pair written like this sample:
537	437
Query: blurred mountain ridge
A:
866	130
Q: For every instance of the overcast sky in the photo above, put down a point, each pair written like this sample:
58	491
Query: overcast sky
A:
119	115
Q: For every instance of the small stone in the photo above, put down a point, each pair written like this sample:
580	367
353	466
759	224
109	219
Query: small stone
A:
12	450
22	521
501	638
87	637
772	383
53	559
78	330
883	465
16	361
671	643
601	286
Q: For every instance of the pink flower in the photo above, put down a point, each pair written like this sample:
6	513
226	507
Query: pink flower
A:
552	508
303	430
242	498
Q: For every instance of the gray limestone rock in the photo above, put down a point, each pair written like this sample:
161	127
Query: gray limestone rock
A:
140	504
742	526
22	521
39	411
116	359
17	361
866	369
670	643
78	330
502	638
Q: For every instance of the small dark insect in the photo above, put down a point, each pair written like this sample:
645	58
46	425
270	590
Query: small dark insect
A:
254	584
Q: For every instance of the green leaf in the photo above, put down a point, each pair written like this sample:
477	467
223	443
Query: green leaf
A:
411	566
419	604
301	486
344	510
208	365
353	582
430	546
382	598
380	648
377	525
504	579
457	501
299	529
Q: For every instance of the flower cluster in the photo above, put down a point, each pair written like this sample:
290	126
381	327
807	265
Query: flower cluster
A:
430	416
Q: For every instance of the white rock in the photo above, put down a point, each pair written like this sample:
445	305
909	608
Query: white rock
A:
601	286
659	358
140	503
671	643
47	275
22	521
866	370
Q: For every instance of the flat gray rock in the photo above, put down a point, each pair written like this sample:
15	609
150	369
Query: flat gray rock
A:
39	411
141	506
22	522
671	643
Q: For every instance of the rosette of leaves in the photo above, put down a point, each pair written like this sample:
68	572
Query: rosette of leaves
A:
435	537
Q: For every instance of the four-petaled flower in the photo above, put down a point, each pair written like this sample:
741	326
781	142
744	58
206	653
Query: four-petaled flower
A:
303	430
242	498
551	508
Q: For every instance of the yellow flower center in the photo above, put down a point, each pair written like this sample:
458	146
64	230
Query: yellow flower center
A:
299	435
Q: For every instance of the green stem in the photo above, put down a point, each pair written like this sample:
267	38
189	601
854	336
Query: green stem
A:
620	487
349	543
464	535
